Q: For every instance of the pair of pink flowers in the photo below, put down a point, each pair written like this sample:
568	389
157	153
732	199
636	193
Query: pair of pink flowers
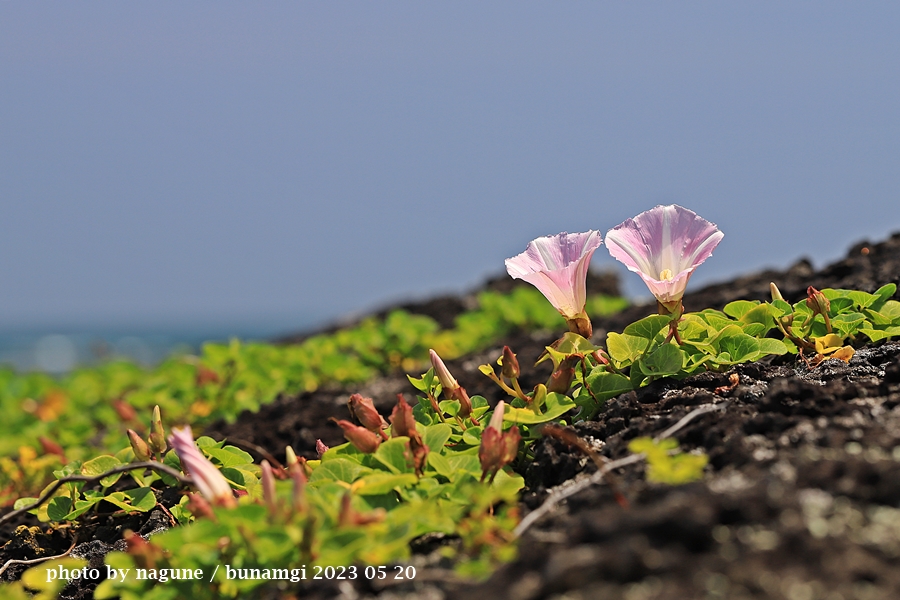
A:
663	245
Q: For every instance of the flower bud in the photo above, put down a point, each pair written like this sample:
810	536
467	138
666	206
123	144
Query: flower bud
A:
157	433
363	409
451	386
403	423
321	449
139	446
817	302
496	421
364	440
443	374
124	410
497	449
539	396
561	379
298	497
776	293
510	367
51	447
267	479
290	457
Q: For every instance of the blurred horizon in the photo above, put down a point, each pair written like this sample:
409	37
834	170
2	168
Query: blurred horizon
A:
177	169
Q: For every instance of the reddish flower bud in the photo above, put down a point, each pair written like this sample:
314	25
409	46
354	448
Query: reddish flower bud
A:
144	553
510	367
299	477
51	447
125	411
402	420
561	379
364	440
498	448
816	301
365	412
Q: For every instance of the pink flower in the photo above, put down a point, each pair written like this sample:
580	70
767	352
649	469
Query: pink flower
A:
207	478
557	265
664	245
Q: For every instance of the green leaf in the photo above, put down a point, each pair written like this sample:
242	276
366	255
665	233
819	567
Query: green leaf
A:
338	469
102	464
665	361
754	329
555	406
625	349
848	323
877	335
229	456
882	295
138	499
605	385
739	308
781	307
692	328
436	436
761	314
59	507
440	464
741	347
393	455
772	346
374	484
141	499
891	310
648	327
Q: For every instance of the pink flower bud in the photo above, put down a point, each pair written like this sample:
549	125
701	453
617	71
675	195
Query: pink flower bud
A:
321	449
206	477
448	382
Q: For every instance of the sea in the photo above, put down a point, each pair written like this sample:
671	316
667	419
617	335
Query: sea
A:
58	350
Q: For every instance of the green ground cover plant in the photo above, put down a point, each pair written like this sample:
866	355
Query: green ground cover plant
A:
52	420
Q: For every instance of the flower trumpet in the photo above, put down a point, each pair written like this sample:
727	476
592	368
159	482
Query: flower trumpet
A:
206	476
557	266
664	245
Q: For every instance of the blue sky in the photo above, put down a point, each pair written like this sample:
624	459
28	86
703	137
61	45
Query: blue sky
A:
171	163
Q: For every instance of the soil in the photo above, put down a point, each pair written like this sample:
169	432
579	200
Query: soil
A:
800	500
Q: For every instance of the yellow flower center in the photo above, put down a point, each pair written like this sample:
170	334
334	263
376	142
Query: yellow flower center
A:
666	275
